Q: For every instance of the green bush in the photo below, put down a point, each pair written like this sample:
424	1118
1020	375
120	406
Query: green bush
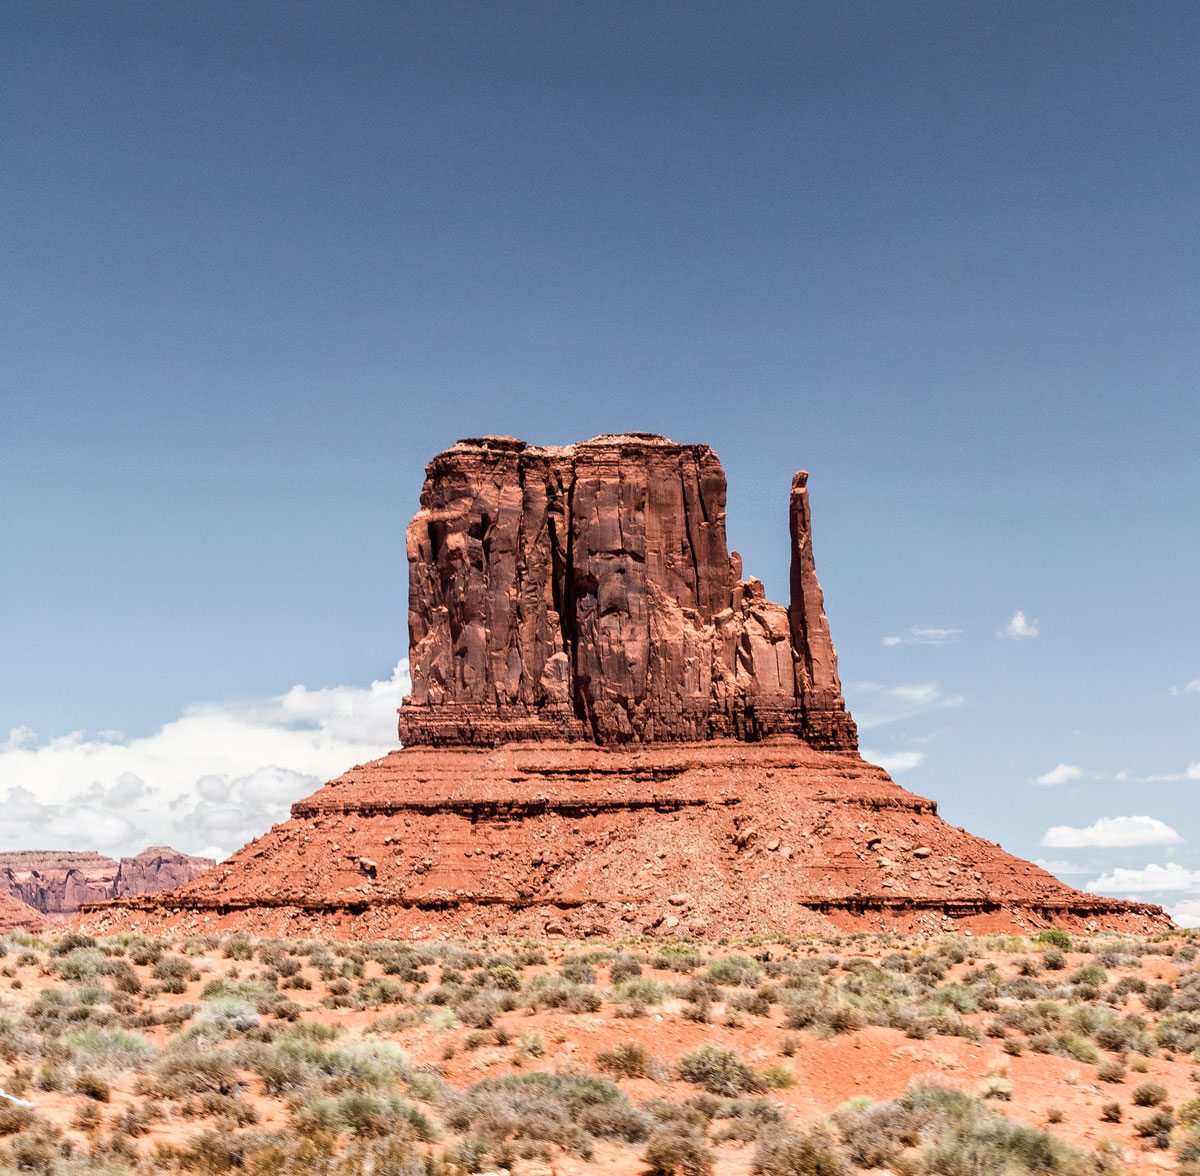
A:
1054	937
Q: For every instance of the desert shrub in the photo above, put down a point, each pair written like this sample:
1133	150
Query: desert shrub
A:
124	978
616	1120
72	941
677	1153
376	992
1111	1112
1055	937
996	1086
1110	1072
788	1152
1157	997
577	971
677	959
747	1118
734	970
83	963
626	1059
237	947
505	977
623	967
1090	974
777	1077
1053	959
995	1144
94	1045
370	1063
718	1070
225	1016
1149	1094
88	1118
532	1106
1157	1128
758	1003
92	1086
187	1067
145	951
14	1118
1189	1112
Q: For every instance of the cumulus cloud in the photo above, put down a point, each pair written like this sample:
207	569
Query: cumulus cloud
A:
874	704
893	761
1186	913
1192	687
1059	866
1018	627
1059	775
1112	833
1147	880
915	636
211	779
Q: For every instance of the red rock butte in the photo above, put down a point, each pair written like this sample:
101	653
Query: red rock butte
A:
611	733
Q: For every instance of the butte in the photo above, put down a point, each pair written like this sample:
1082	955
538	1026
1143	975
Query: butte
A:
612	733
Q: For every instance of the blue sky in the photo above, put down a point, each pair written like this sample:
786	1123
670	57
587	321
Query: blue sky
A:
261	262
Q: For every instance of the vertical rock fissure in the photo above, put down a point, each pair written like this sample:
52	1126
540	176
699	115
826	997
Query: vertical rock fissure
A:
687	525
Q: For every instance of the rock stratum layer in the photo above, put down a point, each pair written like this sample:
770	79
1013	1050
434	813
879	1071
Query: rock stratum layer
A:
610	732
58	883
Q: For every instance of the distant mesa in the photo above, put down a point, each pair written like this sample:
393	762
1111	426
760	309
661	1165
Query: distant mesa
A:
54	883
611	732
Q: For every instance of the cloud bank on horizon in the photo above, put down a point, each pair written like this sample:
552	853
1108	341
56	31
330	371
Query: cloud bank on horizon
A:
206	782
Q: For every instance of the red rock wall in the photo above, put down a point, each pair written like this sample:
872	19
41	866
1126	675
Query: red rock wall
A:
588	593
60	883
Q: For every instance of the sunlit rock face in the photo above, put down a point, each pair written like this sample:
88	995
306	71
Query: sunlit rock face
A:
587	593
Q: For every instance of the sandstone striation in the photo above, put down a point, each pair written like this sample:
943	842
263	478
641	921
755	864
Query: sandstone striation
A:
59	883
15	915
610	732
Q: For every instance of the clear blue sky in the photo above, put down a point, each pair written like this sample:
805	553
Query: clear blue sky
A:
262	261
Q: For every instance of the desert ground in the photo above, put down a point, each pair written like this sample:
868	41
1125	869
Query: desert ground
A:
871	1053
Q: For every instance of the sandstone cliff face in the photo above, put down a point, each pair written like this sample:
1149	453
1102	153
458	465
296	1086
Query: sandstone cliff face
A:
587	593
59	883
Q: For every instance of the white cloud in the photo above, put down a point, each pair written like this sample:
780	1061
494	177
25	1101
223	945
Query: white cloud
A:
1192	687
873	704
893	761
914	636
1059	775
1018	626
1059	866
213	778
1148	880
1186	913
1112	833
